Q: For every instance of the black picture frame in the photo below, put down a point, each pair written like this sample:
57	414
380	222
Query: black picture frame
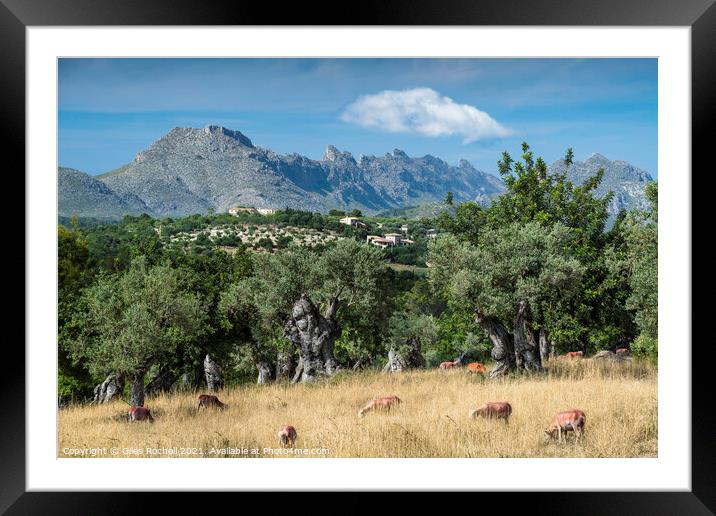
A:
700	15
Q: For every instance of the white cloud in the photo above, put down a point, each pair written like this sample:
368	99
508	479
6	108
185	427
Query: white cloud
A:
423	111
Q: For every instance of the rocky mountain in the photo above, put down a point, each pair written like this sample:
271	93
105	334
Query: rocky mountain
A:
192	170
626	181
83	195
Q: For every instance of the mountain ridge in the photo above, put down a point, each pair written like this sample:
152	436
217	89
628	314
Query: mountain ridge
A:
191	170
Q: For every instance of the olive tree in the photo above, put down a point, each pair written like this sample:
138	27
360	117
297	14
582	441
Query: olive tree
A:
134	320
498	279
307	293
408	333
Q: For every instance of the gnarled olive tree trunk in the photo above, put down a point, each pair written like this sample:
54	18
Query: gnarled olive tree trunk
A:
191	381
298	373
265	373
503	351
214	376
314	335
546	349
526	351
411	359
395	363
284	364
136	390
111	387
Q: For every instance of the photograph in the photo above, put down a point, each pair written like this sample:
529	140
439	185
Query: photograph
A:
357	257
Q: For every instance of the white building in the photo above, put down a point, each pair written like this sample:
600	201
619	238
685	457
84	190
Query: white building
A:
241	209
380	241
351	221
266	211
395	238
431	233
389	240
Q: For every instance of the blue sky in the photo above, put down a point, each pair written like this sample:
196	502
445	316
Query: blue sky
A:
110	109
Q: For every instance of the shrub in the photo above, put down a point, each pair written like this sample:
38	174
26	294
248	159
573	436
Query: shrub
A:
265	243
646	347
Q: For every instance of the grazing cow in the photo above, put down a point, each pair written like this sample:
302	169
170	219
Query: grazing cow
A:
476	367
209	400
494	409
287	436
622	351
140	414
454	363
379	403
570	420
574	354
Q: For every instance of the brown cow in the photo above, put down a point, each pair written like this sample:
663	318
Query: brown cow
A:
574	354
622	351
209	400
494	409
570	420
140	414
287	435
476	367
379	403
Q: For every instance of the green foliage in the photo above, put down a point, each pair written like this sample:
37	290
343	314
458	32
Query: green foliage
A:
645	346
349	271
404	327
136	319
202	240
414	254
466	223
68	386
475	346
72	257
513	263
351	274
264	243
633	260
544	241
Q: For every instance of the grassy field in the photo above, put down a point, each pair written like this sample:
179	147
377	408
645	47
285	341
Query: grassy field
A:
619	400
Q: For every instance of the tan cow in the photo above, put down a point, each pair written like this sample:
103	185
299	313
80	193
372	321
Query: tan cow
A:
287	436
622	351
209	400
570	420
476	367
379	403
140	414
494	410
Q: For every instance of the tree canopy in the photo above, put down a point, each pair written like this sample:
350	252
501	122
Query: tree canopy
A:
136	319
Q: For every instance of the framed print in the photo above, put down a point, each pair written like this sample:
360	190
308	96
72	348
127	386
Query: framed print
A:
436	254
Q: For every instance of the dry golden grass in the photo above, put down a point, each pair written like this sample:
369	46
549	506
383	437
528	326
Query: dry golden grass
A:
619	400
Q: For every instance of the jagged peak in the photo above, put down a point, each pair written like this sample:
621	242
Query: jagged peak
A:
463	163
333	154
595	156
231	133
399	153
